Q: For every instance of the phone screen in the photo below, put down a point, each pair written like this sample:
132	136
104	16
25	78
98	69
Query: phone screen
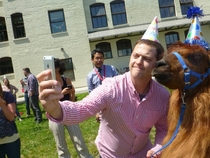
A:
69	86
49	64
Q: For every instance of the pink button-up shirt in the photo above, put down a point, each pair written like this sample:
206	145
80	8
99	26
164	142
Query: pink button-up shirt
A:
126	120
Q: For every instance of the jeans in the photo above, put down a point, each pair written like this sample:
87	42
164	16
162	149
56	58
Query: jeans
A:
34	102
11	150
27	103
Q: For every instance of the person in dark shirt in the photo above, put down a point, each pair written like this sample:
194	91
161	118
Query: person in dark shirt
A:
9	136
57	129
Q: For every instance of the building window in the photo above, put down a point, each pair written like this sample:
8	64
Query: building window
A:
185	33
166	8
3	30
171	37
98	15
57	21
106	49
185	5
18	25
124	47
118	12
6	66
69	72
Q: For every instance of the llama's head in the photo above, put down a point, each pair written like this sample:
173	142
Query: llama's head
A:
170	72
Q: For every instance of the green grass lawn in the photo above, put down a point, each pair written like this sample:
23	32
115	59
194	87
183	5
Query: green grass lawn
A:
37	140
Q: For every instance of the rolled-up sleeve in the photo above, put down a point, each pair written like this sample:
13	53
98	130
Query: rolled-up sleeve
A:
76	112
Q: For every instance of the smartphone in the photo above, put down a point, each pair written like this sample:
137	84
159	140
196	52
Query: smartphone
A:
49	64
69	86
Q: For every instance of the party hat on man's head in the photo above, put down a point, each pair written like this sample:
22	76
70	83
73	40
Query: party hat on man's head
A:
195	35
152	31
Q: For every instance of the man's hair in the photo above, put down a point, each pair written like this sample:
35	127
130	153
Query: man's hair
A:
27	70
97	50
59	64
158	46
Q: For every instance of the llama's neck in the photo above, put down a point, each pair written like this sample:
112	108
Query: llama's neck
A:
194	136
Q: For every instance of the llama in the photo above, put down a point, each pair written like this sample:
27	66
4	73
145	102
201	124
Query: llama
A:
193	138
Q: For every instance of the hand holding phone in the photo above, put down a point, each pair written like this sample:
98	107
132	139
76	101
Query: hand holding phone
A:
49	64
69	86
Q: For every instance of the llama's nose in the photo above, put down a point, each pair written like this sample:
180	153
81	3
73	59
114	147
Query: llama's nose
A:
160	63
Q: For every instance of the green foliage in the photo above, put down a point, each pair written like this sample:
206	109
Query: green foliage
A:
37	141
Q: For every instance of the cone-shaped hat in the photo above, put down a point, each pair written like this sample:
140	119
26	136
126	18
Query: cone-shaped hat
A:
195	35
152	31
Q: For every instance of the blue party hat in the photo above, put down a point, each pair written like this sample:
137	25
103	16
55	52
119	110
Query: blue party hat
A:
195	35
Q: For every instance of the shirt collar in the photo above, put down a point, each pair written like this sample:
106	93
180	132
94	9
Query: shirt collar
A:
100	67
132	86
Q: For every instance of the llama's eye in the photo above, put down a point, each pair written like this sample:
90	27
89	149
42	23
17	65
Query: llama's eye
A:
195	59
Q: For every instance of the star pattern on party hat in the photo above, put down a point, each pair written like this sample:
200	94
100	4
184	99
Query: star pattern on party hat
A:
152	31
195	35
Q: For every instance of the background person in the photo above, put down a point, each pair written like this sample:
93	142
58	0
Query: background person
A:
33	93
73	130
9	137
24	83
7	87
99	72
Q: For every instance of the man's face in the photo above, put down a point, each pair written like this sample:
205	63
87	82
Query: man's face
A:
24	72
142	61
98	60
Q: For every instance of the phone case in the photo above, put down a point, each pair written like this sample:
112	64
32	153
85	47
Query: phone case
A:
49	64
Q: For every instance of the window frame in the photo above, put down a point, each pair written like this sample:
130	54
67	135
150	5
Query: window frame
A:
18	30
6	66
121	43
185	5
171	34
164	6
117	14
69	72
58	21
98	17
186	33
3	30
105	47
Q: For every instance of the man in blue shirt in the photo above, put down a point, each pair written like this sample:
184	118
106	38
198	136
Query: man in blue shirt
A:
100	71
